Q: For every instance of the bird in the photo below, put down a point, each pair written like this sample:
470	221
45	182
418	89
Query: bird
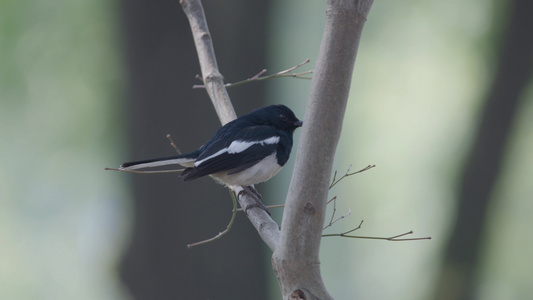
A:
246	151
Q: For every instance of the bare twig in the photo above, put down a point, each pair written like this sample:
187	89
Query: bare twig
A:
339	218
257	77
395	238
333	182
173	144
356	228
333	213
332	220
334	199
220	234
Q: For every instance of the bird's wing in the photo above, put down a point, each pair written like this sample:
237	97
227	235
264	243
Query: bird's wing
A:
235	153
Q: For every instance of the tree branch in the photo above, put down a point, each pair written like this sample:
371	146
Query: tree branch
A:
213	80
214	84
296	260
395	238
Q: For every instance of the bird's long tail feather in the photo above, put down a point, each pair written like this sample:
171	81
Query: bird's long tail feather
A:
185	160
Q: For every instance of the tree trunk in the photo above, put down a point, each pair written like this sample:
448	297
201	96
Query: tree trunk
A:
295	260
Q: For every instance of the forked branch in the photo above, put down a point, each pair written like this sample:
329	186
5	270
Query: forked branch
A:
214	85
347	174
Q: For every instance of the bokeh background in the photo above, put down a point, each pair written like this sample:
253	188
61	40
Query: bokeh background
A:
441	102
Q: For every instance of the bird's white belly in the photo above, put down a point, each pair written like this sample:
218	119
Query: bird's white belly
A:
260	172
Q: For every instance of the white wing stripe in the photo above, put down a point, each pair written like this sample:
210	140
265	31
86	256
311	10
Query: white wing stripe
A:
198	162
238	147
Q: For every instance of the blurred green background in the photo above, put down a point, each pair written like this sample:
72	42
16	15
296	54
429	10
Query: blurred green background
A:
422	75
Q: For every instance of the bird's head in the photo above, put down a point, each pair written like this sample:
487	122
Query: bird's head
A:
279	116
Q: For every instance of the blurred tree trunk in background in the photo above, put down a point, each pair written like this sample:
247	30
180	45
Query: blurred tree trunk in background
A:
512	75
168	214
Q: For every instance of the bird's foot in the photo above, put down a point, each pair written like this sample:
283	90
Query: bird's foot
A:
252	192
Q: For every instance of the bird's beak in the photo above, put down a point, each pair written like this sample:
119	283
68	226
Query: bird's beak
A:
298	123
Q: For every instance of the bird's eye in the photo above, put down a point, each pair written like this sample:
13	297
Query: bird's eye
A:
283	117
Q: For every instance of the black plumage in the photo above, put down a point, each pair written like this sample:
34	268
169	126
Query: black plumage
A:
246	151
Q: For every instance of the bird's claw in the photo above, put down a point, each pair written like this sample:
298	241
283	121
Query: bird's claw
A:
256	196
260	205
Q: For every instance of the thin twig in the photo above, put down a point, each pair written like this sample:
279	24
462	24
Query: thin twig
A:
332	220
343	216
333	213
173	144
334	199
356	228
220	234
257	77
390	239
395	238
339	218
258	74
333	182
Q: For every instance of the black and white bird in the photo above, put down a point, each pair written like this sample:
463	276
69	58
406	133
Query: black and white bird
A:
246	151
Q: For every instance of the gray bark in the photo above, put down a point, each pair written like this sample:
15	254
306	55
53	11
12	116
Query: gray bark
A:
296	247
296	259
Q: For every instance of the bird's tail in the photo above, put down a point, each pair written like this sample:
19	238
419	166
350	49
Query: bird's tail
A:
186	160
